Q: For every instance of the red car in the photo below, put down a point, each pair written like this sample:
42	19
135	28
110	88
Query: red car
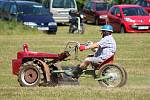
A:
145	4
96	11
129	18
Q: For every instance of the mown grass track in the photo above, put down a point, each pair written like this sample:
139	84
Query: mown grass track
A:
133	53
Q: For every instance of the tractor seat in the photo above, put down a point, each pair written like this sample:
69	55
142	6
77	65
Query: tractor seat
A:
106	61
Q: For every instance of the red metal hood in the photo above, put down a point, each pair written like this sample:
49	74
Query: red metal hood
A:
23	54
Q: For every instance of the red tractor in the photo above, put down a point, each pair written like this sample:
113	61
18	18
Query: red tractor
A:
37	68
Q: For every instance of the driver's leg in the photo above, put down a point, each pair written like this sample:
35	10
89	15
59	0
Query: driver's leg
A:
79	70
84	64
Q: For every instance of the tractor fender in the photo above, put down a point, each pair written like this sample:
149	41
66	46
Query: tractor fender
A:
46	69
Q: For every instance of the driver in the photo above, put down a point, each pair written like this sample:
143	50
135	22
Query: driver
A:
106	48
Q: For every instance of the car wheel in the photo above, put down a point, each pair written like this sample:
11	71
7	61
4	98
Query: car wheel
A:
96	21
85	20
122	30
51	32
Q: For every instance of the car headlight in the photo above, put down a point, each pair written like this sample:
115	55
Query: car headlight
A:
30	23
103	16
52	23
82	16
129	20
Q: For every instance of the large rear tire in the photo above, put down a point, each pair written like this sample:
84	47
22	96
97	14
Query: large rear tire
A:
30	75
117	76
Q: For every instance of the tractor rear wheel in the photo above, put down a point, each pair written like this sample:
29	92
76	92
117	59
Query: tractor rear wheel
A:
30	75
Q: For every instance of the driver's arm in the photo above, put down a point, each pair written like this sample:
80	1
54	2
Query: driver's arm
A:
83	47
94	45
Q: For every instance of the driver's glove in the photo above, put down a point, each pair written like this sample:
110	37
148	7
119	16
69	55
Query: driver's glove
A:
83	47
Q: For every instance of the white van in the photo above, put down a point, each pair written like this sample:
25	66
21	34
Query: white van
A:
60	9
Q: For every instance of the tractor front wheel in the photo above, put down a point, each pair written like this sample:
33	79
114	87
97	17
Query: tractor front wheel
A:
30	75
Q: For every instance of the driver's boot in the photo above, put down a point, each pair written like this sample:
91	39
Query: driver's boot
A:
77	72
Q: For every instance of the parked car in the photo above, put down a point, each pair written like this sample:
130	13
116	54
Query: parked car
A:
145	4
60	9
96	11
1	3
29	13
129	18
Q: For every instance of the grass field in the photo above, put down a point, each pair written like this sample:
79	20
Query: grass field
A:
133	53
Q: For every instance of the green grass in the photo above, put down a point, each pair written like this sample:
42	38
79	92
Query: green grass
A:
133	53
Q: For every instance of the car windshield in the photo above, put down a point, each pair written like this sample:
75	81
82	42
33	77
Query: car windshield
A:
1	2
134	11
32	9
145	3
102	6
63	4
